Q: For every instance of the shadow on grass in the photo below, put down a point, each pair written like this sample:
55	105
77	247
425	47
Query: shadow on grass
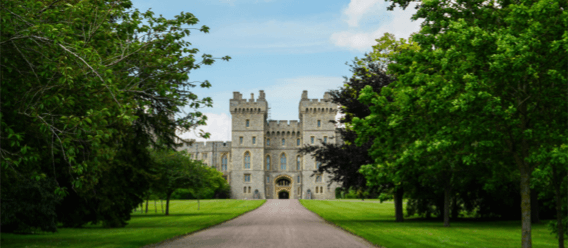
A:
178	215
432	222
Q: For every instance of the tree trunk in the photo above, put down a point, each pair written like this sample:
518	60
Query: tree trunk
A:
557	183
535	218
447	192
147	200
526	239
398	210
455	207
168	203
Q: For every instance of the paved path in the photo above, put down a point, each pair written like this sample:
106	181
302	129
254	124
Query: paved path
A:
277	223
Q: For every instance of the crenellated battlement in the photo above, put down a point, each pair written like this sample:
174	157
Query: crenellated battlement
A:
283	127
240	105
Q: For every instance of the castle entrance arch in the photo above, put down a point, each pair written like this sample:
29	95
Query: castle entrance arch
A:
283	186
283	195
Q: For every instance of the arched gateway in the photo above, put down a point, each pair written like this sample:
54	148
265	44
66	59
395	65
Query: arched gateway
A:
283	186
283	194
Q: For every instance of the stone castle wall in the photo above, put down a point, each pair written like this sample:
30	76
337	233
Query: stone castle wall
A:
263	139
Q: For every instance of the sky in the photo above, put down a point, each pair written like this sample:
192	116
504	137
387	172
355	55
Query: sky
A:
280	46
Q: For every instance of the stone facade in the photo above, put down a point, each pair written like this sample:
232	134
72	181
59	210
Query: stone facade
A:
262	161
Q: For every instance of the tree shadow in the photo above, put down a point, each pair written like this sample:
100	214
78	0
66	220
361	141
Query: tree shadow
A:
177	215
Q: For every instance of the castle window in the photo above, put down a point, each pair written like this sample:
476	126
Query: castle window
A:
318	179
247	178
298	142
312	139
317	188
267	162
298	163
226	179
298	179
253	140
248	123
318	164
204	155
325	139
224	163
267	142
283	162
241	140
247	160
319	123
249	189
283	142
267	179
321	190
245	189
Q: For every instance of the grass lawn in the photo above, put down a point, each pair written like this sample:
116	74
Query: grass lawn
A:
374	221
143	229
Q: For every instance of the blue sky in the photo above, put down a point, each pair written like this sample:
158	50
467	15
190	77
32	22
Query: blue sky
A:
280	46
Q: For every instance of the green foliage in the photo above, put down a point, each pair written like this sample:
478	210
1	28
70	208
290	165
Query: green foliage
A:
486	87
87	86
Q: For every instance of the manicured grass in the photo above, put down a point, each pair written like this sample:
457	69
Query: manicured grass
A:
143	229
374	221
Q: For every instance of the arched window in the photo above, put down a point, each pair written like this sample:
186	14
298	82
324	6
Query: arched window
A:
298	163
283	142
224	163
283	162
316	190
245	189
267	162
267	142
318	164
247	160
249	189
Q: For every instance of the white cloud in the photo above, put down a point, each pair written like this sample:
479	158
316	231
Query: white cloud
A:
400	25
218	125
357	9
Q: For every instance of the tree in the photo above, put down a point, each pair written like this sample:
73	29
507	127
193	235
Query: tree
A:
86	88
343	159
551	177
501	67
176	170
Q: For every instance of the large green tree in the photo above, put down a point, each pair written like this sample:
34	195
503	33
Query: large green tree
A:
86	87
500	67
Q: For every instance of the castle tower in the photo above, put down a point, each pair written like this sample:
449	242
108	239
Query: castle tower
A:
247	151
315	117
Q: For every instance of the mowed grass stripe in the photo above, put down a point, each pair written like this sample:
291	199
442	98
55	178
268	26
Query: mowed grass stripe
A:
375	222
142	229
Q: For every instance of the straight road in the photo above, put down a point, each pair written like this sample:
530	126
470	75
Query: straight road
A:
277	223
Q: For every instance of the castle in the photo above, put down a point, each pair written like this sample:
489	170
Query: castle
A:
262	161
